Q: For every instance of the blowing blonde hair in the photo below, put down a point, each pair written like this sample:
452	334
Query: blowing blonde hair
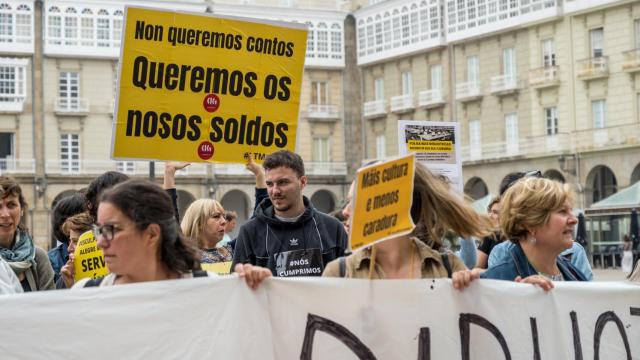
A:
436	209
196	216
529	203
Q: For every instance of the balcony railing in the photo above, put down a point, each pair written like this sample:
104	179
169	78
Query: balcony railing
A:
544	77
375	108
17	166
430	98
323	112
504	84
631	60
611	137
71	106
468	91
593	68
96	167
230	169
11	103
531	146
326	168
402	103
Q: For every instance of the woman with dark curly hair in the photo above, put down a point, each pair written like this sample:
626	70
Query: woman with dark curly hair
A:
30	263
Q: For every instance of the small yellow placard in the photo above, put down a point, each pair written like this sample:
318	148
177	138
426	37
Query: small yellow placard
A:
221	268
382	202
88	261
205	88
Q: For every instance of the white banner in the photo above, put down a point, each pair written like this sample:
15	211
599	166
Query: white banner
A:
324	319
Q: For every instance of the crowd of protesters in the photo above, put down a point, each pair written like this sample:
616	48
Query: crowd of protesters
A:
527	235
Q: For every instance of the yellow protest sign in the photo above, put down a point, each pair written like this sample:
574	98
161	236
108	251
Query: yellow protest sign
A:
205	88
88	258
221	268
382	202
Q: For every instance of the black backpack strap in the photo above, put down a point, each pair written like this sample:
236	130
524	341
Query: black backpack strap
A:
343	266
94	282
199	273
445	262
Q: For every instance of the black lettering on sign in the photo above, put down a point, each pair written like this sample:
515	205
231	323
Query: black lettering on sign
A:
634	311
603	319
148	32
534	336
424	344
465	334
341	333
577	343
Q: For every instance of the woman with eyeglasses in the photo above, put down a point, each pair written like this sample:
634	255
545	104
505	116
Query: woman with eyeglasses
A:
537	216
30	263
139	236
204	224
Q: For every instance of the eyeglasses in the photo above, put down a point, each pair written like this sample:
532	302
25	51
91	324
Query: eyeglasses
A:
106	231
526	174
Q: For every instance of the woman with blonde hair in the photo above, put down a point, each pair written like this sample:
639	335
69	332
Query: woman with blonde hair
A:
435	209
204	224
537	215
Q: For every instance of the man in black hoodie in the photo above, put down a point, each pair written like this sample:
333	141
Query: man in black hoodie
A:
288	235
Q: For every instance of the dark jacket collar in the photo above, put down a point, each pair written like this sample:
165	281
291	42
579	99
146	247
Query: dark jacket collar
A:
266	213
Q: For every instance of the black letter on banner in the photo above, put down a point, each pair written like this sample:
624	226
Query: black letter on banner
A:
634	311
140	69
465	323
603	319
315	322
577	343
534	335
424	344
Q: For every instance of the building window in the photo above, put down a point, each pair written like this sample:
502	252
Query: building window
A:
319	93
475	139
599	114
71	27
336	41
407	84
548	53
436	77
473	69
13	82
69	152
69	90
379	89
6	23
321	150
54	26
117	27
323	41
6	151
381	146
597	42
509	63
636	33
127	167
103	29
87	28
511	133
551	119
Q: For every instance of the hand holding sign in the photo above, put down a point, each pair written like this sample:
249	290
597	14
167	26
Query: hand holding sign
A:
382	202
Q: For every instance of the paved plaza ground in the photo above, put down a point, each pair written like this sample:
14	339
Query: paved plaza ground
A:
608	274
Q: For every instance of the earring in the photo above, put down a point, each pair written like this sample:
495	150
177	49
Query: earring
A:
533	240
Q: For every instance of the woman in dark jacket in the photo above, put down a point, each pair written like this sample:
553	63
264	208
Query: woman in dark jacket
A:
537	215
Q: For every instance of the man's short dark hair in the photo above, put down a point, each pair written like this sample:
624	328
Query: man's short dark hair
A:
100	184
511	179
284	158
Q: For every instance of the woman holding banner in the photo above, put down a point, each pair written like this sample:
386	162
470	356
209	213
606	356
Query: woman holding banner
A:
537	216
30	263
204	224
139	235
435	209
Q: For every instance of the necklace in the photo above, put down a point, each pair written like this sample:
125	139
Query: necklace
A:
557	277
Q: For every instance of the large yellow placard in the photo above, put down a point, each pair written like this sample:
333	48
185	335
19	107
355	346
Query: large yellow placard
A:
382	202
88	259
203	88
